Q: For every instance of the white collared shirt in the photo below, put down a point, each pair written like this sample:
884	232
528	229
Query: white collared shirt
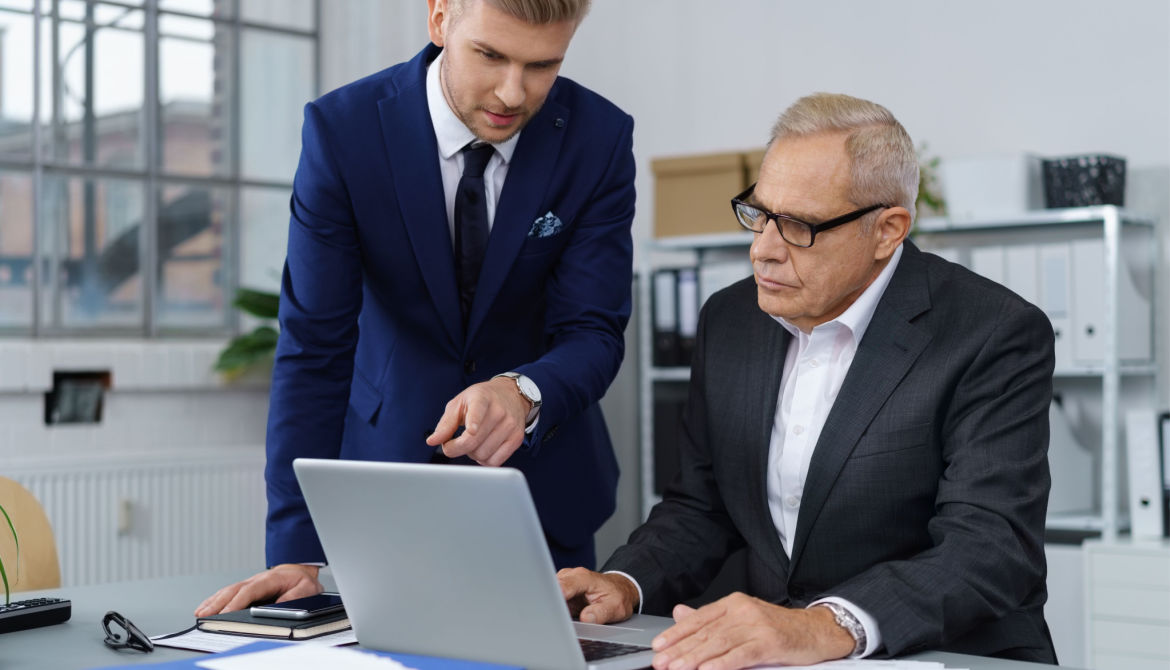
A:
814	370
452	135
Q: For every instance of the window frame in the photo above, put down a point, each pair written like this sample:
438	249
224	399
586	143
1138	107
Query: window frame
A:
154	179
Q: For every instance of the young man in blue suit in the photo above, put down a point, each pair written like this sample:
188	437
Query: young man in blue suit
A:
459	256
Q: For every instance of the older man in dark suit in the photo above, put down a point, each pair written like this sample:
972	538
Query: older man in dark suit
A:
869	420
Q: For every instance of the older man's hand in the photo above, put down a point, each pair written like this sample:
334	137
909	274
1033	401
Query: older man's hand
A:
739	631
594	597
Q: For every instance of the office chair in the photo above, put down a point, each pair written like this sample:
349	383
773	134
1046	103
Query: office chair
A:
38	567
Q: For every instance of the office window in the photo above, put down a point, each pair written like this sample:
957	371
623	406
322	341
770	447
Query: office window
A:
190	244
273	91
90	241
16	83
295	14
16	246
131	134
263	235
195	95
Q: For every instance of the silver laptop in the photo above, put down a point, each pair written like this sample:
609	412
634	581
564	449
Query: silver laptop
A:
448	560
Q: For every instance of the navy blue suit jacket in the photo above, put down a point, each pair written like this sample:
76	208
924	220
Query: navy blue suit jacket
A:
372	345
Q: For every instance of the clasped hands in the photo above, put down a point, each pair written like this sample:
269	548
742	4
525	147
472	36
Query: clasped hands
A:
734	632
492	414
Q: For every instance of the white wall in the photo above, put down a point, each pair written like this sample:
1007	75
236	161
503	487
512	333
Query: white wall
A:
360	37
164	400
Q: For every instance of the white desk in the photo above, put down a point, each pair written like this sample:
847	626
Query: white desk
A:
166	605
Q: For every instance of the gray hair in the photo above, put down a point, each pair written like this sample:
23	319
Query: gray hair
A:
536	12
884	165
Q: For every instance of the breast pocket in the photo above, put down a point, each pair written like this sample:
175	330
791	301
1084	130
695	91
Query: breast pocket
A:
891	439
539	246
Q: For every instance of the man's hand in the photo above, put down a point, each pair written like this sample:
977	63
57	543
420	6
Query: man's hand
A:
287	581
492	414
594	597
739	631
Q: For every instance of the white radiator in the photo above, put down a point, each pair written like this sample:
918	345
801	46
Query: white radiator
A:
189	515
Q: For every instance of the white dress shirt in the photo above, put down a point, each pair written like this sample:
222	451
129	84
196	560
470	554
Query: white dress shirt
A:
814	370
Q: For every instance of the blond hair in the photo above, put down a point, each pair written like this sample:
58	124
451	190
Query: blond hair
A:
884	165
536	12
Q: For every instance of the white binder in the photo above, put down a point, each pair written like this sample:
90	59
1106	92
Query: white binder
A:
1145	473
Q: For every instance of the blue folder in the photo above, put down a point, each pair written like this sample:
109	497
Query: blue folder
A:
419	662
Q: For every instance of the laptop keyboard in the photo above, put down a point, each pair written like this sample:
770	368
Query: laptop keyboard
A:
596	650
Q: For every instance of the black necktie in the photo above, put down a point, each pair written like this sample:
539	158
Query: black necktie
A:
471	223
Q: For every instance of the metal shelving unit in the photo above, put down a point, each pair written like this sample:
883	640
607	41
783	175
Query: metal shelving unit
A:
697	248
1108	223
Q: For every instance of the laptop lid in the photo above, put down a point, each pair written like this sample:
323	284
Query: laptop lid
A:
448	560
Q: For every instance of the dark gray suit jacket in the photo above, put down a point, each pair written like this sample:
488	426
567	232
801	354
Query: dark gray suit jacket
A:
927	491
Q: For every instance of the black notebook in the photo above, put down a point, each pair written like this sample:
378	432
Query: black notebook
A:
242	622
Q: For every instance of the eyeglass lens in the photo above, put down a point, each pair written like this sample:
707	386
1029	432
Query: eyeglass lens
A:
793	231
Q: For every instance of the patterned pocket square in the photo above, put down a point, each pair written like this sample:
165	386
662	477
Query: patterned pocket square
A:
546	226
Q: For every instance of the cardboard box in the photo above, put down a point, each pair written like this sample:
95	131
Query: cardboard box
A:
752	160
692	194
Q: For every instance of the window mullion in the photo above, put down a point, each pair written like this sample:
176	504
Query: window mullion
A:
38	175
58	141
148	232
233	262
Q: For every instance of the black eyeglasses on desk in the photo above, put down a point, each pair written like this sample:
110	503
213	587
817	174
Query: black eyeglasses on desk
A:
124	634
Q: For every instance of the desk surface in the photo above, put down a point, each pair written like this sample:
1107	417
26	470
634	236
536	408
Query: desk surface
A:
166	605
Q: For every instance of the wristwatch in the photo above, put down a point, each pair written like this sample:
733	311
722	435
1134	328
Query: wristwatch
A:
846	620
529	390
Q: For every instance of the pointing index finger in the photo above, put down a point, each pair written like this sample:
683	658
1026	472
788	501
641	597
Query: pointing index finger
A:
448	423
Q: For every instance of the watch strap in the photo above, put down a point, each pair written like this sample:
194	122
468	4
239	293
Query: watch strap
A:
850	623
535	402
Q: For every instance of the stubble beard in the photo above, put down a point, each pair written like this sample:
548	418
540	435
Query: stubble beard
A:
466	118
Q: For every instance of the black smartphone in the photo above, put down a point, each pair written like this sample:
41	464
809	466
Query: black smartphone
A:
301	608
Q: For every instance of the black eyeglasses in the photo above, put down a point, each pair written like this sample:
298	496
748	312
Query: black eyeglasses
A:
793	230
124	633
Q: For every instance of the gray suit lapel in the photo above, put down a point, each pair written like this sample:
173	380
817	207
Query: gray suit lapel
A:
890	346
762	376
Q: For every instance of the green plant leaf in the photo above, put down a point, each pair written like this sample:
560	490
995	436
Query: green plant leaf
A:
930	200
263	304
4	578
16	541
246	350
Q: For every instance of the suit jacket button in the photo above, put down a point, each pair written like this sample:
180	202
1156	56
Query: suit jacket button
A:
469	367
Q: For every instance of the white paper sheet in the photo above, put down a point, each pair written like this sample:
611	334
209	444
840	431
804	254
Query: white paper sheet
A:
302	657
197	640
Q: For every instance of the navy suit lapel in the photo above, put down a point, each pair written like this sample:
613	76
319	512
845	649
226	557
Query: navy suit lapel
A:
524	190
890	346
413	154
